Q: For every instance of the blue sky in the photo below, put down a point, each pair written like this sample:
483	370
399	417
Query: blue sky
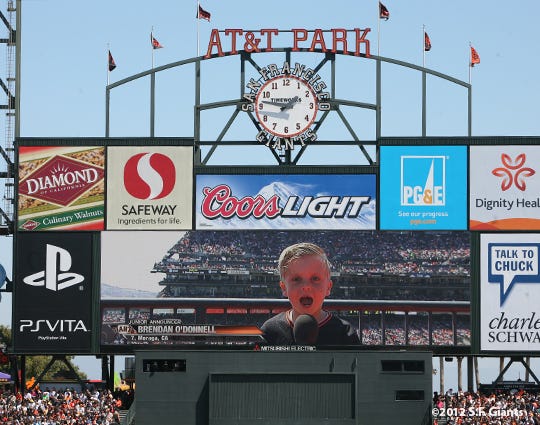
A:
64	58
65	42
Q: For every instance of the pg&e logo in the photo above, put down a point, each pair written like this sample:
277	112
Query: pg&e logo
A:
423	180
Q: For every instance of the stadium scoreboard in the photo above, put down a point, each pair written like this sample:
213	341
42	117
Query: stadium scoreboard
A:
129	242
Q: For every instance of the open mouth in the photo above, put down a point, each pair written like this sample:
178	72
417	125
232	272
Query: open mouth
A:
306	301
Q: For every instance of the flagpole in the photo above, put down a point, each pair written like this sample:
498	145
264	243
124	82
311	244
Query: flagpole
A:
198	19
108	71
470	63
378	28
423	46
424	108
152	85
152	45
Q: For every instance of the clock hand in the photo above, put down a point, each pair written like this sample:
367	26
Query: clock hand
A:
280	104
281	115
290	103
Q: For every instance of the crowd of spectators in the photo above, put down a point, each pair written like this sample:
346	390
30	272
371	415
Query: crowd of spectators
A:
362	252
417	331
508	407
60	407
365	264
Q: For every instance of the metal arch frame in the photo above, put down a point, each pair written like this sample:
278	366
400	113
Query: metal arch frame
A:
285	158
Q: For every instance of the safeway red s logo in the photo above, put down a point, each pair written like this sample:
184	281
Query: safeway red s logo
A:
513	172
149	176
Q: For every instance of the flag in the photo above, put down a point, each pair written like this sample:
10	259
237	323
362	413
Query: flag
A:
475	58
117	380
112	65
427	42
203	14
155	43
383	12
30	383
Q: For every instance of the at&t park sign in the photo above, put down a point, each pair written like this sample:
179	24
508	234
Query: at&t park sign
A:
285	98
261	41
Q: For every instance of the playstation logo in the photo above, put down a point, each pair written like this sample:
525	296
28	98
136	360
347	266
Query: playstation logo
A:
56	275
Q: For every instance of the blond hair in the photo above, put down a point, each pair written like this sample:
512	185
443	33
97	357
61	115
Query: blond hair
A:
299	250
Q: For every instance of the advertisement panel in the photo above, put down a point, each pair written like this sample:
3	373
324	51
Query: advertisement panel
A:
213	289
509	292
423	187
61	188
52	306
304	201
505	188
149	187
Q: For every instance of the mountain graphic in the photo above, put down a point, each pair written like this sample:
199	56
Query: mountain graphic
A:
283	190
111	291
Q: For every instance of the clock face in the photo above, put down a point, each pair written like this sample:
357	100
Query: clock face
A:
286	106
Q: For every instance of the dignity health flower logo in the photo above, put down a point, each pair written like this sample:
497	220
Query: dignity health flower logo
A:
513	172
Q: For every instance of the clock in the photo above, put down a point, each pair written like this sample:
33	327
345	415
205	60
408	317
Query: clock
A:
286	106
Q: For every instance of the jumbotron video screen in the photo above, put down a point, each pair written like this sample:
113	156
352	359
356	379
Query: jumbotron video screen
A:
216	288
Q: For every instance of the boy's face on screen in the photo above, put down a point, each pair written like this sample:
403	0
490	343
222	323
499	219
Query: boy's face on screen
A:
306	283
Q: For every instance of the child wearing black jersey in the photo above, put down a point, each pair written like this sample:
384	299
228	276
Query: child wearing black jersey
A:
305	279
